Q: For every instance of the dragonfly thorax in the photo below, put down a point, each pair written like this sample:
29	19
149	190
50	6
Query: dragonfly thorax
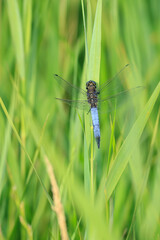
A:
90	83
91	93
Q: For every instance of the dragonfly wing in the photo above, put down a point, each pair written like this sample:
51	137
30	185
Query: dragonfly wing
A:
79	104
71	89
108	102
111	86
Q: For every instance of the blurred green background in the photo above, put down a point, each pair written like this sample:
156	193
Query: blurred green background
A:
111	193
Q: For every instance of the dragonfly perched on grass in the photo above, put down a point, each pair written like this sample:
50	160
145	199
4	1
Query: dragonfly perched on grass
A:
93	97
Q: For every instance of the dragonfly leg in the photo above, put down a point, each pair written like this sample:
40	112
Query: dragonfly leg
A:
89	111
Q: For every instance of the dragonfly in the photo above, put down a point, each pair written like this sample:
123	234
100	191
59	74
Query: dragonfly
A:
92	98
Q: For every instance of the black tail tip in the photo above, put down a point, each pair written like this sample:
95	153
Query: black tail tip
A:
98	141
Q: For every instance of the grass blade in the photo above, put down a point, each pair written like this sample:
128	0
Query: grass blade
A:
95	50
7	141
23	147
127	148
17	35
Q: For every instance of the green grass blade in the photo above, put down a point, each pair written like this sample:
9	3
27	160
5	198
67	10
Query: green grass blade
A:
143	183
127	148
89	23
85	34
27	23
95	50
150	224
6	143
23	147
92	73
17	35
87	135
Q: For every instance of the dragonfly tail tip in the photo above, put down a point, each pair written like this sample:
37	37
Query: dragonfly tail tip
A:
98	141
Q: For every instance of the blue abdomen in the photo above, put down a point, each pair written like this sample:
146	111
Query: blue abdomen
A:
96	128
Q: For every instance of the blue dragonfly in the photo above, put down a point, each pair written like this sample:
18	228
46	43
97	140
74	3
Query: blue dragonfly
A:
93	97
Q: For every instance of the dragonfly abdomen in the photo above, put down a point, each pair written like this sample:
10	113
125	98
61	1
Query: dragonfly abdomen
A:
96	128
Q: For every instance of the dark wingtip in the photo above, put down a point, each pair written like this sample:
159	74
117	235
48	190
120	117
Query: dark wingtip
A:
98	141
56	75
127	65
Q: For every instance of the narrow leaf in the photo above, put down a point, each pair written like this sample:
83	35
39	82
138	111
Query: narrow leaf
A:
127	148
17	35
95	50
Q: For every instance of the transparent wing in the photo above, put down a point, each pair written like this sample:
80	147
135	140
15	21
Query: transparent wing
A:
72	90
79	104
129	92
111	86
108	103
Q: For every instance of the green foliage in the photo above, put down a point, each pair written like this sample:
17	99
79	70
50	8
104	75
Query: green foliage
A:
107	193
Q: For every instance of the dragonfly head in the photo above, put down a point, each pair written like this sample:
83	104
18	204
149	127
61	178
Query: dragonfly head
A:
90	83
